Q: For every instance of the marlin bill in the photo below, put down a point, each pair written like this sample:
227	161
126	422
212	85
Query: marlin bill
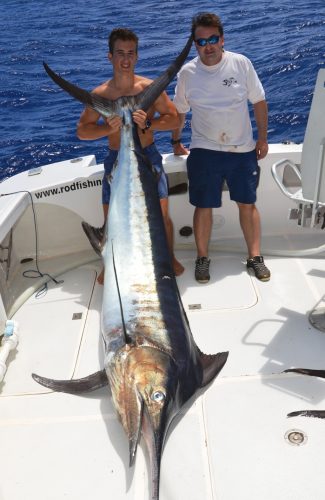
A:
152	364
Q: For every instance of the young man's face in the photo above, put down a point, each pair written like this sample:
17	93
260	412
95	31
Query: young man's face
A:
210	53
124	57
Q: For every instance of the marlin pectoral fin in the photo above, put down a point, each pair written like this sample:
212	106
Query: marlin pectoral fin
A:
127	338
153	91
103	106
307	413
212	364
306	371
77	386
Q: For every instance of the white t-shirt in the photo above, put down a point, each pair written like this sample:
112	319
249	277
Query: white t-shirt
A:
218	96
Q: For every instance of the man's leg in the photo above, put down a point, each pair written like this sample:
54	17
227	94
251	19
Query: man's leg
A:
202	223
177	266
249	219
100	278
105	211
250	223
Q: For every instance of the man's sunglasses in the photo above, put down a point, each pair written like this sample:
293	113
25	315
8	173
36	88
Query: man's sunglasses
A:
212	40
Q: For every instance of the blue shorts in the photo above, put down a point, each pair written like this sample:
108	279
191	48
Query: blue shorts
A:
207	170
155	158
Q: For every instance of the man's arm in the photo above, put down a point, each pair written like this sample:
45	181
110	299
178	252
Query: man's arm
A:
168	117
261	119
178	147
89	128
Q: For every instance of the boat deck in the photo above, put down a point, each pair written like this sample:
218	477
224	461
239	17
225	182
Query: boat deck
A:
231	443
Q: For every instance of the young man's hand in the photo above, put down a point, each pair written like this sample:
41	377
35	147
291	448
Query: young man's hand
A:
114	123
140	118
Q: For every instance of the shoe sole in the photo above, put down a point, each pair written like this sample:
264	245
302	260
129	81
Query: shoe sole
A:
252	273
203	281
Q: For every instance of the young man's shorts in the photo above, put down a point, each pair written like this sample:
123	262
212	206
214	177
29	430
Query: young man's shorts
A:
207	170
155	158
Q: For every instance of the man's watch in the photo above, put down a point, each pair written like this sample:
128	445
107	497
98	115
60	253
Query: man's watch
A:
147	126
175	141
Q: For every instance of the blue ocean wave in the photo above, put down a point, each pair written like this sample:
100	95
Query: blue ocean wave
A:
284	41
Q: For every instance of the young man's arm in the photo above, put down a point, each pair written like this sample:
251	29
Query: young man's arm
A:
89	127
168	117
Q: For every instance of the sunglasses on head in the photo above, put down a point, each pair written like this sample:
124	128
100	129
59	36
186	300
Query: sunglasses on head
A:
212	40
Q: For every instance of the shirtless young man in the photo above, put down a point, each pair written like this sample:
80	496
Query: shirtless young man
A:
123	54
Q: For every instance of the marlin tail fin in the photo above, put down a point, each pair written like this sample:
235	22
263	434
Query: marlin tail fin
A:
103	106
153	91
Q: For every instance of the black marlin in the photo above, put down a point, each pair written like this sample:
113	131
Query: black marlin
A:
152	364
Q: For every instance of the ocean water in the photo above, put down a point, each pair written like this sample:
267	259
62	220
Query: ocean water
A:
285	41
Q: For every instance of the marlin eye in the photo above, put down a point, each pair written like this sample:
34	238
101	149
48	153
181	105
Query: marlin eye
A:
158	396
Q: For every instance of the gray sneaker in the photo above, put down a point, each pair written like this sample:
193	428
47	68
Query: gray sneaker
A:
259	268
95	236
202	269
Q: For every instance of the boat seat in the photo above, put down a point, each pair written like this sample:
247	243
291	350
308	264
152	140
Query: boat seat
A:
12	206
310	196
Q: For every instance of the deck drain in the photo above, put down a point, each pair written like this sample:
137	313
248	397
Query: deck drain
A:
193	307
296	437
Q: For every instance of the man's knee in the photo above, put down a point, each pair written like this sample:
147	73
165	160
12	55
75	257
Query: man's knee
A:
246	207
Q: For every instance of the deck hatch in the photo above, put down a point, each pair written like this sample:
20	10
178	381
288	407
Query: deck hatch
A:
77	316
194	307
230	286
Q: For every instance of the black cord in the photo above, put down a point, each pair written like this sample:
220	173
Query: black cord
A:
35	273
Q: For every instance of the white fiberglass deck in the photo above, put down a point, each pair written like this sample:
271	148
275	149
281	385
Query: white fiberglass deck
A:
228	445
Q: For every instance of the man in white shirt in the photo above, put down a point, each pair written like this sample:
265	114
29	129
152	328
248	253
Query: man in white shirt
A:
217	86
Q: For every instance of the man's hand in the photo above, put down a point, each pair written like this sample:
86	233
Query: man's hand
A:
140	117
114	123
261	149
179	149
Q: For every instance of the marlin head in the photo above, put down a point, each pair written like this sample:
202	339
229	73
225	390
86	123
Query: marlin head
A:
148	392
144	388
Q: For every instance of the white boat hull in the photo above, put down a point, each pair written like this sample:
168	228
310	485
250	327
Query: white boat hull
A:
232	442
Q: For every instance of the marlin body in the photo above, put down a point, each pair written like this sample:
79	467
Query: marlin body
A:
152	364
